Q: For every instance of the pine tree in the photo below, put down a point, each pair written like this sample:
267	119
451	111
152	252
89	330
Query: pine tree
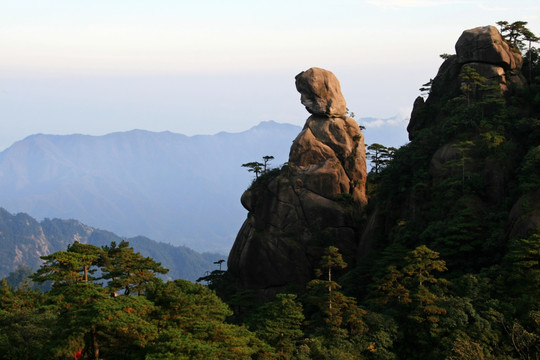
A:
26	322
128	270
75	265
191	324
279	324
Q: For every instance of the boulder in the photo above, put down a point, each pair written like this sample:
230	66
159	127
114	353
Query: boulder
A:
321	92
485	44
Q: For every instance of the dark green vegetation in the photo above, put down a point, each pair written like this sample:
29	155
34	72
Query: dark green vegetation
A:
259	168
108	303
23	240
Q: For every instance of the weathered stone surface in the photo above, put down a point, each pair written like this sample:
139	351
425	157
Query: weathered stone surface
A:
449	161
439	168
321	92
296	214
491	72
331	149
485	44
417	118
481	48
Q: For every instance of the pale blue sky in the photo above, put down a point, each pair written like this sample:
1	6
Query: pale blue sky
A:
200	67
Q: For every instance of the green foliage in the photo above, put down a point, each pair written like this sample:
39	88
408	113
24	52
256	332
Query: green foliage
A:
523	276
336	325
191	326
380	156
257	167
254	167
279	323
172	320
452	190
529	176
426	88
20	278
25	323
517	34
75	265
480	107
128	270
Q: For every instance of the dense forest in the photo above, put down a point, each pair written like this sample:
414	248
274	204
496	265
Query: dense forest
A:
453	274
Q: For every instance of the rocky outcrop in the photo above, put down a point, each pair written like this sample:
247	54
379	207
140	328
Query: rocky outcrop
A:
296	212
485	44
321	92
471	154
22	242
328	157
481	48
467	183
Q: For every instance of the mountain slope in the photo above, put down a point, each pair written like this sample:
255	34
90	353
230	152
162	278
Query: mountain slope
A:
23	240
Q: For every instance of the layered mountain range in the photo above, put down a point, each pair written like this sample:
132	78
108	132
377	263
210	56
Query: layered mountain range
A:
172	188
23	240
169	187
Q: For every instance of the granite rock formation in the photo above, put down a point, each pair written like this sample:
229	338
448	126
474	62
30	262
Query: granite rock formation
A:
321	93
463	146
485	44
297	211
481	48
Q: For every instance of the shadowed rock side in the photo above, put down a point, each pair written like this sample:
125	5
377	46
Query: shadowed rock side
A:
296	212
481	48
460	153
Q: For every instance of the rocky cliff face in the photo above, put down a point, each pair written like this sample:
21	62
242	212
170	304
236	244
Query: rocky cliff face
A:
482	49
296	212
466	183
22	242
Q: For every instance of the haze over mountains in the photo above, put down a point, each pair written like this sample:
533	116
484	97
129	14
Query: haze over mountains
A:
169	187
23	240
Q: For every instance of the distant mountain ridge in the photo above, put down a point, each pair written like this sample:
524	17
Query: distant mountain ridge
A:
173	188
23	240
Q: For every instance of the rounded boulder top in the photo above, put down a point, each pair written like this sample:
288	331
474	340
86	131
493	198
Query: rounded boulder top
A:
484	44
321	92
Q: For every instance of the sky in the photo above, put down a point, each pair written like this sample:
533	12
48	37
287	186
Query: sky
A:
205	66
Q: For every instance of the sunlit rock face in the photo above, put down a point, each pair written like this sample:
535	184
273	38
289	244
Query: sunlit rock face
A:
298	211
485	44
321	92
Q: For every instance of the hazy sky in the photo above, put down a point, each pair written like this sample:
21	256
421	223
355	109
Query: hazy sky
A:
200	66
